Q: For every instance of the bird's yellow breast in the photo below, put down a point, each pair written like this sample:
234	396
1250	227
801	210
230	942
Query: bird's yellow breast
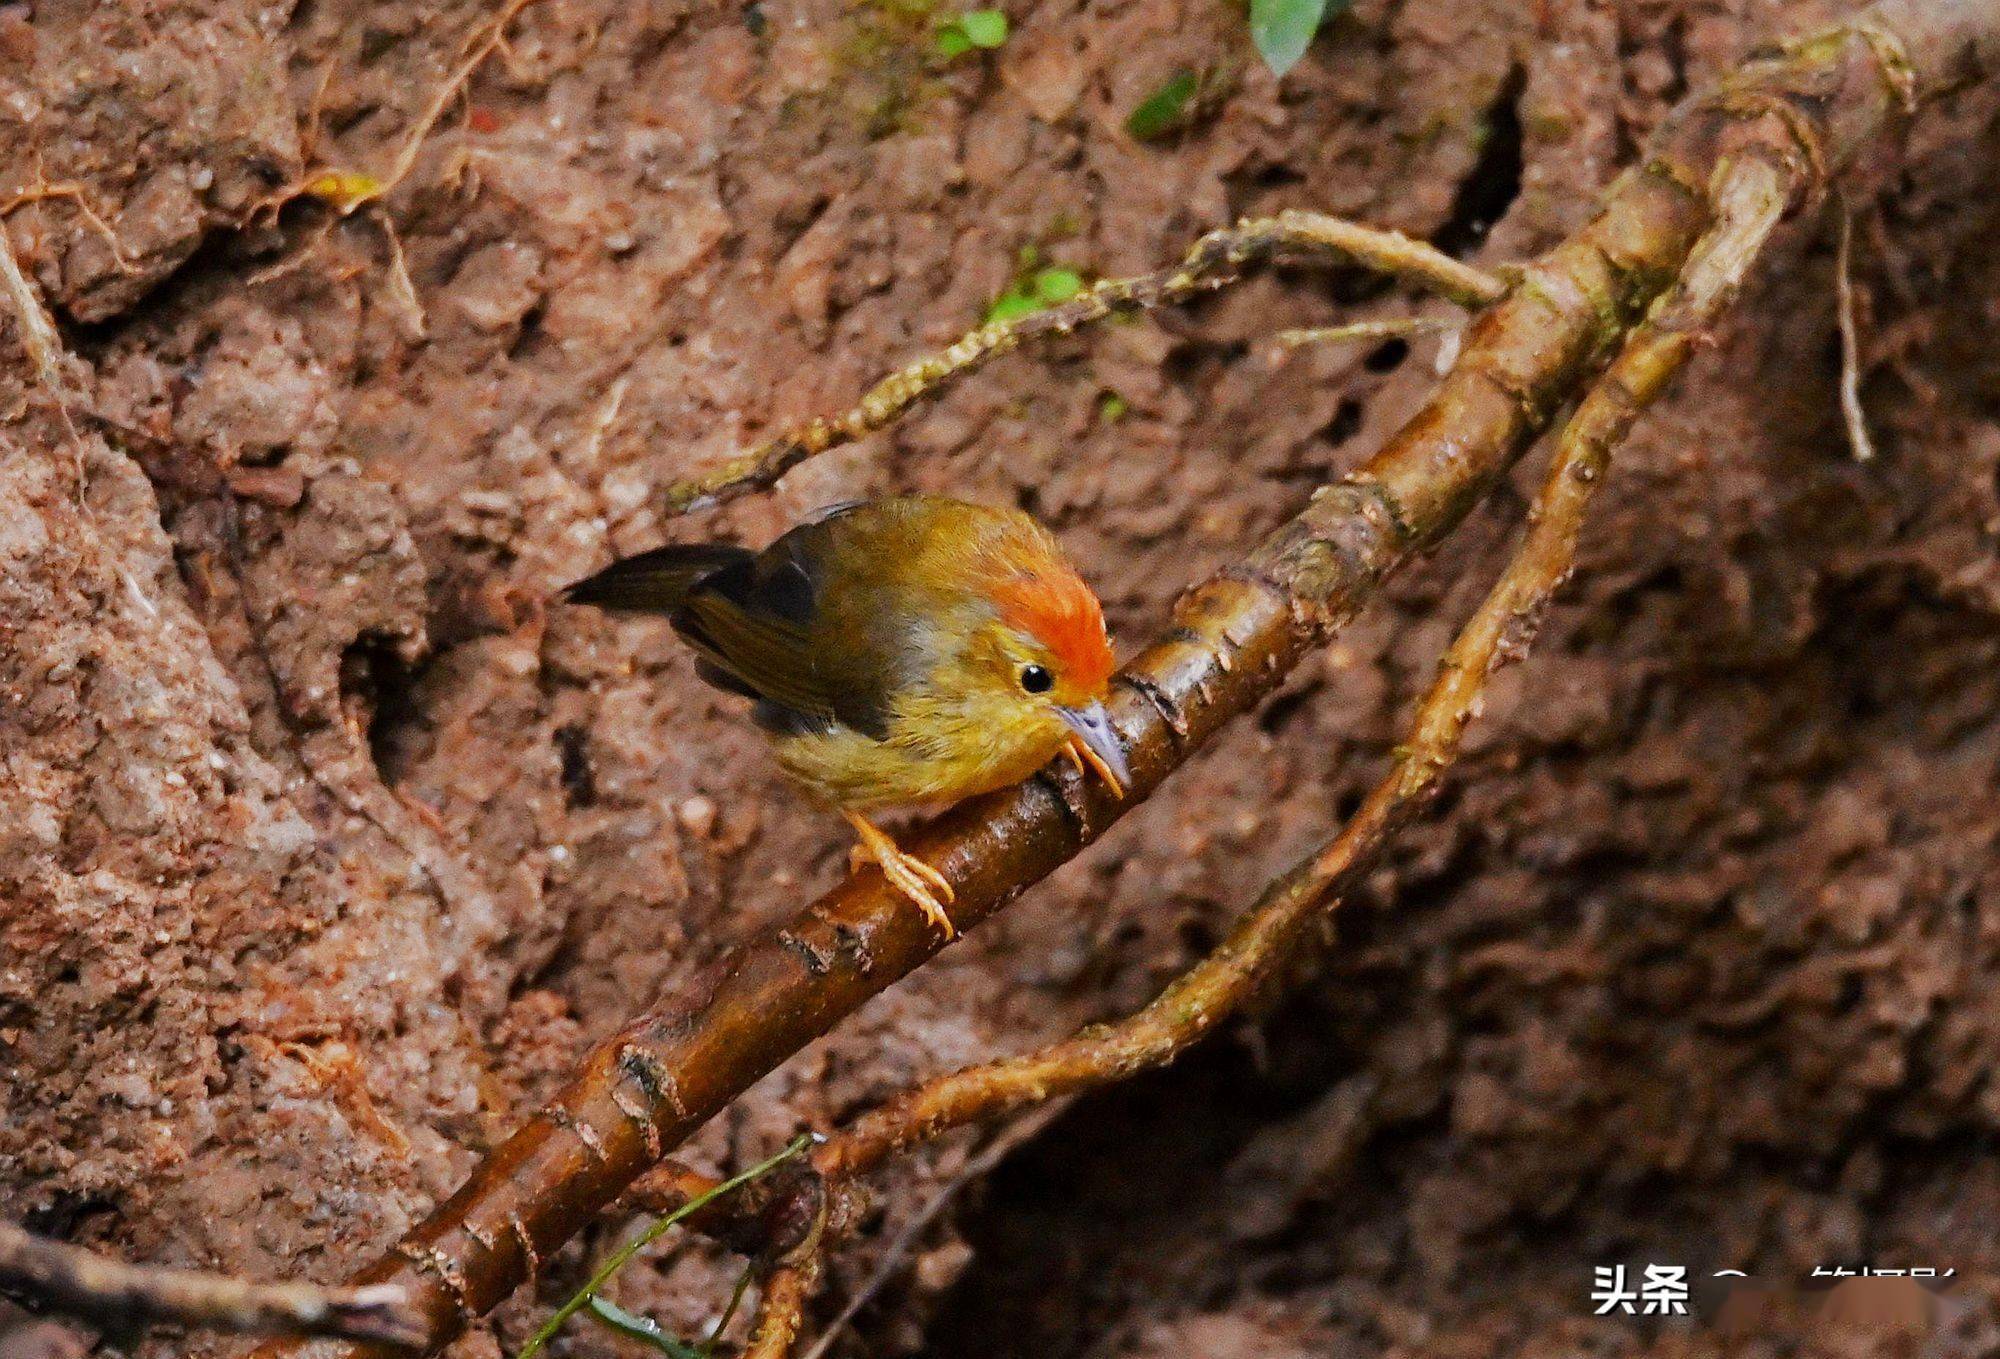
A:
925	757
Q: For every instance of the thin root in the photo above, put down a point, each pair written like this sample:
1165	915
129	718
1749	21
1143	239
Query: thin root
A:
787	1288
45	350
415	325
42	189
112	1294
1853	415
347	191
1217	259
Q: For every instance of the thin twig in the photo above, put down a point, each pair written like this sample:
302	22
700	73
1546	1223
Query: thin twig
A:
1853	415
113	1295
1216	259
1390	328
728	1311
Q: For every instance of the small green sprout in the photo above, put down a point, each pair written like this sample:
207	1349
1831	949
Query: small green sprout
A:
1111	408
1045	287
984	29
1165	109
587	1295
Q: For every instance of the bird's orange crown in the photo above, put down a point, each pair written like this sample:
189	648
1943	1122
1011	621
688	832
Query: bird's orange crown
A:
1058	610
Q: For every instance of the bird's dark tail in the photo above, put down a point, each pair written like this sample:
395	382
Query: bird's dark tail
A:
656	581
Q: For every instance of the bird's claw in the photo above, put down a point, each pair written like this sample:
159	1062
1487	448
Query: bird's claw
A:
908	874
1088	761
912	885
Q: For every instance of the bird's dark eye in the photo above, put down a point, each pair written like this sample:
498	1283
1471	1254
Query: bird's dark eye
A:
1036	680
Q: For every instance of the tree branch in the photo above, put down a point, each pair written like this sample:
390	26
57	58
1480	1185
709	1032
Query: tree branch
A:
115	1296
1804	110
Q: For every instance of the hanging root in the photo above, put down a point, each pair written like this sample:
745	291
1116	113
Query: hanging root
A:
1217	259
116	1296
788	1287
37	331
895	1256
1852	414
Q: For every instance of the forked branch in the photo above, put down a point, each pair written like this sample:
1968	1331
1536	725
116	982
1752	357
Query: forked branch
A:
1751	194
1802	111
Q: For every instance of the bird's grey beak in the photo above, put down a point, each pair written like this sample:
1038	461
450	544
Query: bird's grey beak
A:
1100	744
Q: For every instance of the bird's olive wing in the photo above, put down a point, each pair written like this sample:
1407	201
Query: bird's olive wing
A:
763	624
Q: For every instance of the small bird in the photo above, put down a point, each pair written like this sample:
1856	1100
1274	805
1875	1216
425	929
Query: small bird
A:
901	652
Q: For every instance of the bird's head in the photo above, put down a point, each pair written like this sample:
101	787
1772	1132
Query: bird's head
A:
1037	666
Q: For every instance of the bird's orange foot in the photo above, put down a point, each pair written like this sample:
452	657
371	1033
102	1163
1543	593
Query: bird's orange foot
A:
908	874
1088	761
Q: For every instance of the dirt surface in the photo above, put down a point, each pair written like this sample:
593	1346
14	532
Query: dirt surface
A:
326	843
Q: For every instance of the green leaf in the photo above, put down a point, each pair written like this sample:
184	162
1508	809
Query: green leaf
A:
618	1258
1283	29
643	1329
1045	287
1165	108
953	41
984	27
1012	305
1054	285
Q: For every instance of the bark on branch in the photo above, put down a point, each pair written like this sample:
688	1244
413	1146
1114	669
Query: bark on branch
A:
1804	109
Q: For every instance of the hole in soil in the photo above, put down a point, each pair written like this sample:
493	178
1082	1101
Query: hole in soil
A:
1279	712
1346	422
1276	175
1484	196
573	749
1387	357
529	334
67	1213
1131	1186
378	691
